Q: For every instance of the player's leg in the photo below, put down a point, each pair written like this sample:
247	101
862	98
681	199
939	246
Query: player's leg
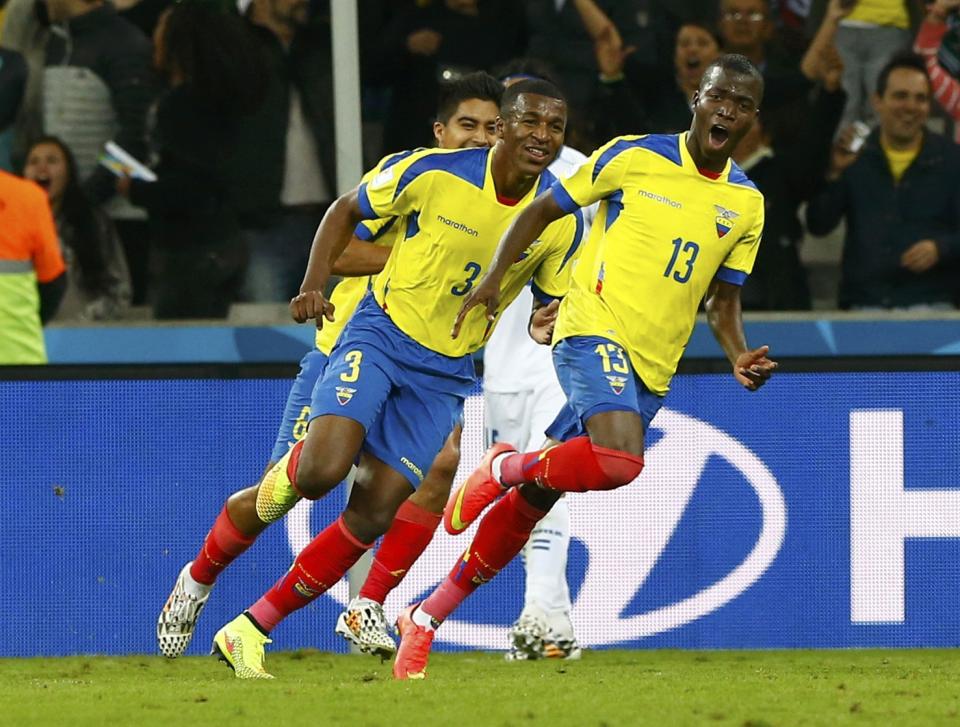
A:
606	401
363	622
346	401
502	533
544	627
240	520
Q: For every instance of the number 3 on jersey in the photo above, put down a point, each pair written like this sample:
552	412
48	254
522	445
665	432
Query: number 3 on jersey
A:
353	359
472	270
689	250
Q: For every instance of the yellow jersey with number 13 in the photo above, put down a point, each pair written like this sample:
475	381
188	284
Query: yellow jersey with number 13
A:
663	231
454	222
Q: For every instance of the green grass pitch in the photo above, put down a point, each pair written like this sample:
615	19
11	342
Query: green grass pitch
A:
892	688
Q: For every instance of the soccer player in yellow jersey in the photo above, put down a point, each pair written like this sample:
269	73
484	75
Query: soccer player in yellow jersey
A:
466	117
396	381
678	222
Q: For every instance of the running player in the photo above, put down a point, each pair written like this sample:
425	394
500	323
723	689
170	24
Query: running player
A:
396	380
680	223
466	117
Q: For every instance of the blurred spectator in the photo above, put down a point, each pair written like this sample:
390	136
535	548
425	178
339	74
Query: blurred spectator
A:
13	85
214	71
25	30
431	40
626	107
900	198
745	27
98	286
788	171
558	36
946	88
869	34
145	14
32	274
98	86
285	169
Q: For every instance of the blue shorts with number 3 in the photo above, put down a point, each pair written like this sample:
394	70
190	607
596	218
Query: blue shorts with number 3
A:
596	376
406	396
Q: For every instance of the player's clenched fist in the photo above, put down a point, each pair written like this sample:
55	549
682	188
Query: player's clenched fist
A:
753	368
311	304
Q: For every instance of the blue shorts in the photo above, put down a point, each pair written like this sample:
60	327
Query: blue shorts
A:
296	414
406	396
595	382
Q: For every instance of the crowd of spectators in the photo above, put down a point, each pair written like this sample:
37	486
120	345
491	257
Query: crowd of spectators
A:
231	104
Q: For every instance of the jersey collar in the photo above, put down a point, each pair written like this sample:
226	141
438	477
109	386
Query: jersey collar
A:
691	167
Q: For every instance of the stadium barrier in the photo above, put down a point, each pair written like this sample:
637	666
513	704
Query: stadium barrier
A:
822	511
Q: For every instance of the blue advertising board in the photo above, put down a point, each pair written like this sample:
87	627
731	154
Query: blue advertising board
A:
822	511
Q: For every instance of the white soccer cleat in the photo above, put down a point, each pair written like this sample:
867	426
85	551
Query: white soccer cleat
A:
178	619
527	636
559	641
364	625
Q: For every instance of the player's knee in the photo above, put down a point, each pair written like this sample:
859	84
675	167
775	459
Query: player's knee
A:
617	467
316	476
367	524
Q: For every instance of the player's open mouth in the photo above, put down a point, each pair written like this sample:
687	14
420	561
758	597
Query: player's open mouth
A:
537	153
718	136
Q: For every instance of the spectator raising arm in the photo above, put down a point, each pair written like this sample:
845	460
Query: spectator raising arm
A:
946	88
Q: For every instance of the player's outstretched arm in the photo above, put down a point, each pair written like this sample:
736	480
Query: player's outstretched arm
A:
751	368
332	236
522	231
359	258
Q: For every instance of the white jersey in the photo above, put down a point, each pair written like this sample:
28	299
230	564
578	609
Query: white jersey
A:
512	361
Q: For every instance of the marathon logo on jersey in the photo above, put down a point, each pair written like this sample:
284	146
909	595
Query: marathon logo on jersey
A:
458	226
617	383
661	199
412	467
725	219
345	394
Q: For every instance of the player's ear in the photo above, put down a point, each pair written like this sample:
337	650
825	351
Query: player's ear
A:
696	98
438	132
499	127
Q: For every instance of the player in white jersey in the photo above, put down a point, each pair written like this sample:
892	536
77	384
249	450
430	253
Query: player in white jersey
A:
522	397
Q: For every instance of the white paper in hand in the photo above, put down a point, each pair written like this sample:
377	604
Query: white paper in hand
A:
119	161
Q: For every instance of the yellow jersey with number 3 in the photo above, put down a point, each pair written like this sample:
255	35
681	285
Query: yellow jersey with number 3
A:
348	293
454	222
663	232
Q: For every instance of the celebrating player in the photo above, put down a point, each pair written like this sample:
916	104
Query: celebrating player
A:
677	222
466	117
396	380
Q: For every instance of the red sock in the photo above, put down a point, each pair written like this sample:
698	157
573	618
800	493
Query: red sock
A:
318	567
577	465
221	546
502	533
408	536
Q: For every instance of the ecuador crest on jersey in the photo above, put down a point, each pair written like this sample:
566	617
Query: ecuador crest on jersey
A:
725	219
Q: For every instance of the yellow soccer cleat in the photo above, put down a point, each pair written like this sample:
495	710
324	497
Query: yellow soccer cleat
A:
240	644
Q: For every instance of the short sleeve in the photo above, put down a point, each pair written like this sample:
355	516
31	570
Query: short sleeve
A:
598	177
47	258
397	188
739	262
551	279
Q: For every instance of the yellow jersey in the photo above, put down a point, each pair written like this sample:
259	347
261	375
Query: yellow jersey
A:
454	222
348	293
663	231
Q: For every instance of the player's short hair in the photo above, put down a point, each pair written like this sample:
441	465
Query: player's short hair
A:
906	59
536	86
478	85
736	63
525	69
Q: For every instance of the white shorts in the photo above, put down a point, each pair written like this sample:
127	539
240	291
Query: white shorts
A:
522	417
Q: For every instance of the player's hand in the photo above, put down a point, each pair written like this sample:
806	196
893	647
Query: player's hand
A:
487	294
753	368
920	256
311	304
542	322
